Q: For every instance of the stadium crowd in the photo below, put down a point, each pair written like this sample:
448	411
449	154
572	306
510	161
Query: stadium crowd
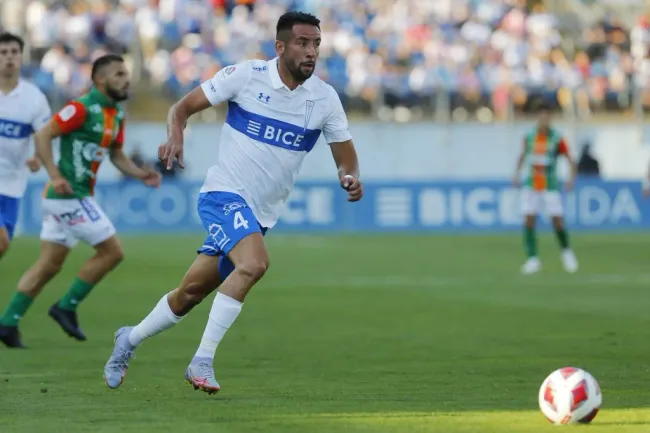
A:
395	52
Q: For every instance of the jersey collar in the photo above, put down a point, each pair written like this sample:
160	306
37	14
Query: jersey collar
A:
277	82
98	96
16	90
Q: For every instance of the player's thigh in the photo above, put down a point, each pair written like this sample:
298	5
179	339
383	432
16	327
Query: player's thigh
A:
54	231
97	230
530	202
553	204
250	254
233	230
82	219
9	208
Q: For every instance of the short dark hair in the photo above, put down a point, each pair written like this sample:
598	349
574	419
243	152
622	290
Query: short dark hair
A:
543	107
103	61
290	19
6	38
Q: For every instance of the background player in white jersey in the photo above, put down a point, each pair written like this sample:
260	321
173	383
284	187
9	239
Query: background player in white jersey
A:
276	111
23	111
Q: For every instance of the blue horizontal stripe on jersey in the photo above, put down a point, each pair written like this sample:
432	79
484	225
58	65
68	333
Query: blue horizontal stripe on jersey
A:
13	129
271	131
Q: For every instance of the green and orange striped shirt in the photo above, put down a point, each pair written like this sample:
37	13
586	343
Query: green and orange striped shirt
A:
541	149
90	127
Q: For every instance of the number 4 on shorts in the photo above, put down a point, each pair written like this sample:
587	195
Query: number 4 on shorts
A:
240	221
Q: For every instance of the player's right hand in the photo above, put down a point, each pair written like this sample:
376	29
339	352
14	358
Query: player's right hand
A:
170	150
61	185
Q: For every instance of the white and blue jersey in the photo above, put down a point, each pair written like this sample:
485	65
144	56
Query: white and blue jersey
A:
23	111
268	132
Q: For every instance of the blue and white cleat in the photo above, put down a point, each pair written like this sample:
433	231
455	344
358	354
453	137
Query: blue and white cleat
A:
200	375
118	363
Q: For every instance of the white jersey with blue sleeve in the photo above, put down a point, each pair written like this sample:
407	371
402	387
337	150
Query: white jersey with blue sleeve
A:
268	132
23	111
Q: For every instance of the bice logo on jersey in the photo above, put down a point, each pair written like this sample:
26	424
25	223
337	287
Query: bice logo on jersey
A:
12	129
273	133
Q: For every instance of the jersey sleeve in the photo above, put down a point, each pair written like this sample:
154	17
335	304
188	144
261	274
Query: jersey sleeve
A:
119	139
227	83
335	129
70	117
563	147
42	115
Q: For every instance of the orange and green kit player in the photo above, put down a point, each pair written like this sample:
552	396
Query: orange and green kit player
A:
90	128
542	148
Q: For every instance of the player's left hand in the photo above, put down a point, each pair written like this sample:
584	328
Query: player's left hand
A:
152	178
353	186
34	164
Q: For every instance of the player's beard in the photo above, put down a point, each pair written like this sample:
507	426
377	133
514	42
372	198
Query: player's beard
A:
117	95
298	75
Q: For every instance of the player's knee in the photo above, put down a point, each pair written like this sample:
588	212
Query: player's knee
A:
117	256
191	294
113	256
253	269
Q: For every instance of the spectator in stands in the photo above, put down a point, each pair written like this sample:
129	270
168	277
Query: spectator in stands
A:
399	53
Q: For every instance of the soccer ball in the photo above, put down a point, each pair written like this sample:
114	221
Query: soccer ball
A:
570	395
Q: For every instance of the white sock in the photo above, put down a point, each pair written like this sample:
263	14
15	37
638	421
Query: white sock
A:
160	319
223	313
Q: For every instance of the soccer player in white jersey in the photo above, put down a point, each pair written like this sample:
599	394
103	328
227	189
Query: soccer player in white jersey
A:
23	111
276	112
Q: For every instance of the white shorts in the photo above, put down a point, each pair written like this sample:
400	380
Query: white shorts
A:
532	202
67	221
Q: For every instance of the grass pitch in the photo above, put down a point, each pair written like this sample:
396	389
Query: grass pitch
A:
346	334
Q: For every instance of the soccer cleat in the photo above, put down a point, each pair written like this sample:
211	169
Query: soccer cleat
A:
68	322
200	375
532	266
117	365
569	261
10	336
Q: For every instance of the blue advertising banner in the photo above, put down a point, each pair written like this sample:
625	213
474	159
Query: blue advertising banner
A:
460	207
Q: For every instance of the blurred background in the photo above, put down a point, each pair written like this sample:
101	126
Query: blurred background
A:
436	90
393	59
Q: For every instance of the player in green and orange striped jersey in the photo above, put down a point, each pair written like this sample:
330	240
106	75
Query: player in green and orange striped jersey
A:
91	128
541	149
